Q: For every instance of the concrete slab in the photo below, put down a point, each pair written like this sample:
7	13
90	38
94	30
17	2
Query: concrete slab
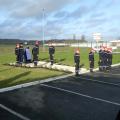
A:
42	64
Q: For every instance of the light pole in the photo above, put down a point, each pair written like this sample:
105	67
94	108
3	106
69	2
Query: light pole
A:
43	27
97	37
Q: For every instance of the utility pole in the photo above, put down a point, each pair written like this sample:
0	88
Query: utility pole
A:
74	39
43	28
97	38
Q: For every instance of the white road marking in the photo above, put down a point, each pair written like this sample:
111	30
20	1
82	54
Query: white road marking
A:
108	73
79	94
14	113
103	82
2	90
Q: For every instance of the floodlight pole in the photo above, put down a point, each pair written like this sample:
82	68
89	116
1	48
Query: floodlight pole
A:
43	29
78	44
91	44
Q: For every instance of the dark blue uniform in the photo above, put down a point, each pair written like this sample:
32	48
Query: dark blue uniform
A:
51	53
77	62
17	54
91	61
21	54
105	60
109	60
35	53
101	55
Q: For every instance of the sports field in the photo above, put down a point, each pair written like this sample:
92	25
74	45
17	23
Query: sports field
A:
64	55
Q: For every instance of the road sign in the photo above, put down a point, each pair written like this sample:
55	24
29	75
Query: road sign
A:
97	36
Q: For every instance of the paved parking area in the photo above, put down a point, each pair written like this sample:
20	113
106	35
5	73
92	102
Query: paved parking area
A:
91	96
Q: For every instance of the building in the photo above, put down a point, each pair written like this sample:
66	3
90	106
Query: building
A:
115	43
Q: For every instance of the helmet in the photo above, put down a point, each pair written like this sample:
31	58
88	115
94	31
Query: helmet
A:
92	50
17	45
110	49
77	51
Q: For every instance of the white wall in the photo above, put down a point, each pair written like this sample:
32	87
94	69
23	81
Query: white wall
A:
89	44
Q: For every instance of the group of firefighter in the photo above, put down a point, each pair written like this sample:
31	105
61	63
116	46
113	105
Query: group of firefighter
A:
104	63
23	55
105	57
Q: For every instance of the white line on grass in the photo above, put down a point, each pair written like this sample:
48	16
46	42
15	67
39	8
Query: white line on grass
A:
79	94
14	113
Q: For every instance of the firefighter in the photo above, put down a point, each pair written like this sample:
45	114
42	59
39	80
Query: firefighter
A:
105	59
35	53
51	53
101	52
91	60
17	53
21	54
77	61
109	52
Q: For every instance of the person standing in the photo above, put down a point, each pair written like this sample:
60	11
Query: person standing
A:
27	55
91	60
109	52
21	54
35	53
17	53
77	61
105	59
101	52
51	53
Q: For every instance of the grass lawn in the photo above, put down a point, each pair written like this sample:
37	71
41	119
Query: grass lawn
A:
65	56
10	75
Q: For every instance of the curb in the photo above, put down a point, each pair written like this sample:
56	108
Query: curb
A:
33	83
44	81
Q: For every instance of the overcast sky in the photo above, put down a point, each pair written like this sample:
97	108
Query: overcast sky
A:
23	19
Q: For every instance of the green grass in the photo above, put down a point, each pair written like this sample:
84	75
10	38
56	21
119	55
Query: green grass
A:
10	75
65	56
15	75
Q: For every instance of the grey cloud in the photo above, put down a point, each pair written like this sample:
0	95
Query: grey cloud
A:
95	22
53	28
4	3
11	5
60	14
34	8
64	17
81	11
97	15
25	17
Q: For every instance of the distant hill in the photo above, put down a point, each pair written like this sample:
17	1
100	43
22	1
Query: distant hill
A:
32	42
15	41
9	41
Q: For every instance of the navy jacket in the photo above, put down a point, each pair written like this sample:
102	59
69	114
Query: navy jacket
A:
91	56
76	57
51	50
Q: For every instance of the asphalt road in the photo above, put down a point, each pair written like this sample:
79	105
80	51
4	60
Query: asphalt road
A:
93	96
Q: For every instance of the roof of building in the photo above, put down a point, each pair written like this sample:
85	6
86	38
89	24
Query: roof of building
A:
115	41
